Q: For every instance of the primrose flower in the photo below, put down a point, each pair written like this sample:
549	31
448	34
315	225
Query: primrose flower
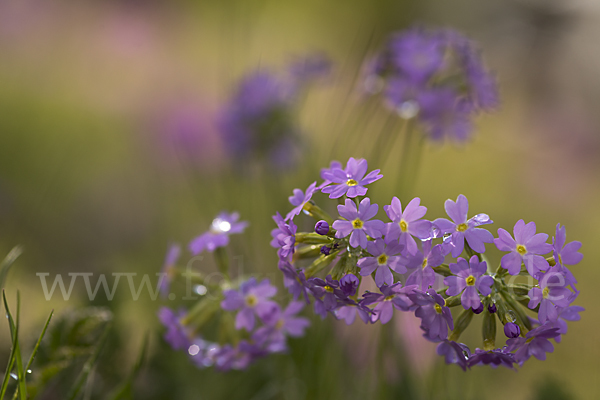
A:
177	335
357	224
535	343
469	280
394	296
408	223
329	290
218	236
281	324
436	77
570	313
493	357
551	296
385	257
299	199
435	316
284	237
423	262
526	247
454	353
252	298
294	281
350	181
566	254
257	122
461	229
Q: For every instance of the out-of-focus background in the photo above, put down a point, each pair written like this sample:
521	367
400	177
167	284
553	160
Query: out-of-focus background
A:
109	152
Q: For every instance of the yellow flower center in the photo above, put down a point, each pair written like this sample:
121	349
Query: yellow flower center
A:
251	300
382	259
462	227
470	280
521	249
438	308
279	324
424	262
357	224
403	225
351	182
545	292
560	259
328	288
389	298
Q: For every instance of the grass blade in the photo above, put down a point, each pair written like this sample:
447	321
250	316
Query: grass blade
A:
125	388
7	263
14	331
88	366
14	334
37	345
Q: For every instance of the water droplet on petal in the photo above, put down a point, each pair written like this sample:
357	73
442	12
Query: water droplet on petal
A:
200	289
480	219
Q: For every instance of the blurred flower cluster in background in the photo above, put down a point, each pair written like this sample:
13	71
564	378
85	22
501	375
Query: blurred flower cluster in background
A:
127	126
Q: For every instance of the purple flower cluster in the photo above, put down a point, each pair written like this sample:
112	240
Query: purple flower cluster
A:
258	122
428	267
436	76
266	323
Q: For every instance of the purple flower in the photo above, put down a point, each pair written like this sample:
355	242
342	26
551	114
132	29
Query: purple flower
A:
257	122
566	254
284	237
384	258
348	313
407	224
272	336
218	236
294	281
322	227
328	290
357	223
454	353
535	343
168	268
333	165
526	247
493	357
482	84
394	296
511	330
417	53
570	313
423	263
351	180
252	298
177	335
435	316
470	278
551	295
462	229
444	113
299	199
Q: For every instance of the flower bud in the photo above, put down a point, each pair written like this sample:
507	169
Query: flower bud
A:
492	308
325	250
512	330
322	227
349	283
479	309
